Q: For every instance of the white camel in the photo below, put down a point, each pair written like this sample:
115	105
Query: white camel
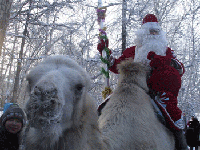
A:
128	119
61	114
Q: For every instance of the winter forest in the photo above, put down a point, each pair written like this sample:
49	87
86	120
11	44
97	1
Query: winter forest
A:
31	30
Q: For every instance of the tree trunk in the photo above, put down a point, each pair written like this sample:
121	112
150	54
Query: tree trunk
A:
124	8
5	6
19	62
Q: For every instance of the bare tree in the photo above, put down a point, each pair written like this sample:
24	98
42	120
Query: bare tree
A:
124	9
5	6
19	62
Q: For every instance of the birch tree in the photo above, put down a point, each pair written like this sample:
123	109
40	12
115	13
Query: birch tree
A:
5	6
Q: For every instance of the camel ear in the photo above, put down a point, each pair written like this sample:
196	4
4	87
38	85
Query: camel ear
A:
129	67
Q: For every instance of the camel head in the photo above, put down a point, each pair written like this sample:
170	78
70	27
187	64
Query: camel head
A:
133	72
57	88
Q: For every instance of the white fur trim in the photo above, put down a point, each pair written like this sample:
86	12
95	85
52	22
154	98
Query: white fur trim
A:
180	123
151	25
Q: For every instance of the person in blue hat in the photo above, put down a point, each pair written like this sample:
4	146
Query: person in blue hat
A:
12	122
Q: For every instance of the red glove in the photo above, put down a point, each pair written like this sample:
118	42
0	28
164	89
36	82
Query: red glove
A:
102	44
151	55
158	60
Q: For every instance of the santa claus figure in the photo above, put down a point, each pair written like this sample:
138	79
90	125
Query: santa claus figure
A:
166	71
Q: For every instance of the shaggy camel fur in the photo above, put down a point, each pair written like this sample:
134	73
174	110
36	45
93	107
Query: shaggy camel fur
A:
128	119
61	114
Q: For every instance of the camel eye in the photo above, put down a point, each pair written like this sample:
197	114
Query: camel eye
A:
79	87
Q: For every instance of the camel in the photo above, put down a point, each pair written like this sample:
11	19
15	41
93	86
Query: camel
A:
128	119
61	114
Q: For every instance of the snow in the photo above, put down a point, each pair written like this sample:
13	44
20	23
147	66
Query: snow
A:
1	112
198	116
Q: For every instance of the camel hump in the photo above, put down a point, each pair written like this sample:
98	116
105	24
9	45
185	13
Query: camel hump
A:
130	68
60	61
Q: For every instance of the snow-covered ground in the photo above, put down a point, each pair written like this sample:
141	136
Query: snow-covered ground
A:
1	112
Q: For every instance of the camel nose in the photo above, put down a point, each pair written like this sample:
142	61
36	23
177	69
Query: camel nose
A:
45	94
44	101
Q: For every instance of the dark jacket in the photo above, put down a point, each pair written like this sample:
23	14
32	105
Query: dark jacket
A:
8	141
194	123
192	133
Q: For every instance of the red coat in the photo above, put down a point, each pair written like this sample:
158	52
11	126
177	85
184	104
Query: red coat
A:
164	78
129	52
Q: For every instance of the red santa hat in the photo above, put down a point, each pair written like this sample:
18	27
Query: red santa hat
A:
149	18
150	21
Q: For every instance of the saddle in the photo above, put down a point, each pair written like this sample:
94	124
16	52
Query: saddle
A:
159	110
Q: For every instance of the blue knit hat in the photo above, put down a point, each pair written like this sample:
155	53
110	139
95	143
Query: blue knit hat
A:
13	111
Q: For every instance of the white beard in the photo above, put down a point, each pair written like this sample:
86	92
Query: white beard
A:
146	43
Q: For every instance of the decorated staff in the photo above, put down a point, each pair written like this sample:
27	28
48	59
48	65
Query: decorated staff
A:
103	47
